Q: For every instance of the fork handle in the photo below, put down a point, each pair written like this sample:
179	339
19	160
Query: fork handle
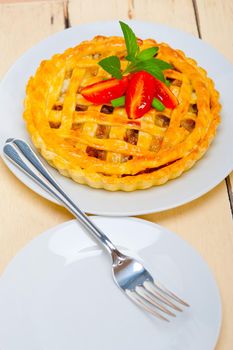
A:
22	155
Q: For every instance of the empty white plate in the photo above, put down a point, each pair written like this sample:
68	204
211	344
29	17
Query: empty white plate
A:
207	173
58	293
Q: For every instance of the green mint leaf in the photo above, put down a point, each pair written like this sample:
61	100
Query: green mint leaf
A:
162	64
112	65
150	67
155	71
130	58
130	39
147	53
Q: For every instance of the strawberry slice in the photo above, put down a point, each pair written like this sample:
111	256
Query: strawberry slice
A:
139	94
105	91
164	94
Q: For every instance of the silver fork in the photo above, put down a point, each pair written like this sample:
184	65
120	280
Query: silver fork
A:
129	274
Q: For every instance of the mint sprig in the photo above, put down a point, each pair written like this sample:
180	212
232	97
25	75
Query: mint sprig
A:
137	60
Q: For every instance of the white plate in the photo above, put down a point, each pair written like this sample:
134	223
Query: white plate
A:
58	293
206	174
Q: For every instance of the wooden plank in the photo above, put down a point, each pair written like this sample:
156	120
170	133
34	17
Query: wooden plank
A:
178	13
23	213
24	24
205	223
175	13
215	19
92	11
229	182
17	1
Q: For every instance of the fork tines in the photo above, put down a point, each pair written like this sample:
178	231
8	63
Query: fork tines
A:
155	298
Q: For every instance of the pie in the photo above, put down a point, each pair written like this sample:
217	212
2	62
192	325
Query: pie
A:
99	145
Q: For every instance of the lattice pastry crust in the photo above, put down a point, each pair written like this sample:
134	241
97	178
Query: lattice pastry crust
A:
98	145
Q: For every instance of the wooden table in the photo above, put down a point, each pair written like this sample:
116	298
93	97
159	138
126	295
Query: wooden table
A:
206	223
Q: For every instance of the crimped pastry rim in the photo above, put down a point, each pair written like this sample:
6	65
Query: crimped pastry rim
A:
127	183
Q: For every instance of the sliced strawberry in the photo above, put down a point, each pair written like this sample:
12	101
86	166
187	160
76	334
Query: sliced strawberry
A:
164	94
105	91
139	94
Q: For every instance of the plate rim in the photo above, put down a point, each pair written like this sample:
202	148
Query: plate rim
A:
46	195
160	208
57	228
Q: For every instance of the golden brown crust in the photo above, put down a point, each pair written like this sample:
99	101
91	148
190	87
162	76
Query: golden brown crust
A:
110	151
